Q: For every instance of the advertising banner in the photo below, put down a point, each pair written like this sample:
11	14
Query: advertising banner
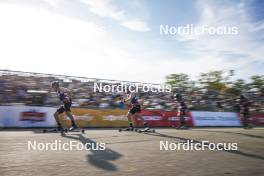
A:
156	118
172	118
257	119
204	118
26	116
97	117
35	116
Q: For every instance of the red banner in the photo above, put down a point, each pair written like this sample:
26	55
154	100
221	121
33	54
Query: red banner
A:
257	119
156	118
172	118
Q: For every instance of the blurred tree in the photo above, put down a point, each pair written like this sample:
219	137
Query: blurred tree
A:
179	82
237	87
213	80
217	83
257	83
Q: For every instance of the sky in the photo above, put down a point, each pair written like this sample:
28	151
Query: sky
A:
117	39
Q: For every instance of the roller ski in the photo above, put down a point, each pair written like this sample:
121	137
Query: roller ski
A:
63	130
129	128
145	130
74	128
182	126
55	130
126	129
248	126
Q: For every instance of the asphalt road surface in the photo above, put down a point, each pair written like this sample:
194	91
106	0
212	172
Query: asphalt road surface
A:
109	152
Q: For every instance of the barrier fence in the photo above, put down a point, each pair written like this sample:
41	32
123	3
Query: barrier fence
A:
35	116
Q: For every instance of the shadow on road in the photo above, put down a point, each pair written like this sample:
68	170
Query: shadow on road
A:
230	132
99	158
196	141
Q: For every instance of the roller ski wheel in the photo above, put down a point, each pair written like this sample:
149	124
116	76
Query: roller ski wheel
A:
51	130
126	129
74	130
146	130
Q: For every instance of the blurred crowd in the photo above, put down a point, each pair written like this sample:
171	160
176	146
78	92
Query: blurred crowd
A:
34	89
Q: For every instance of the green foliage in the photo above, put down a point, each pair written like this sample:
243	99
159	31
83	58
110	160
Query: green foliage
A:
257	83
213	80
217	81
237	87
179	81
